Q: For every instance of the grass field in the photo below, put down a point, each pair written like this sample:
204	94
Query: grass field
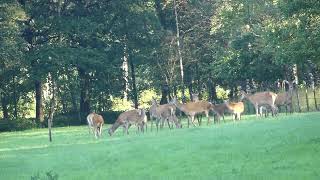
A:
286	147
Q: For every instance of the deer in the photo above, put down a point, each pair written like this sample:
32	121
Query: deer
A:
258	99
193	108
95	123
165	112
126	119
236	109
195	98
219	110
285	98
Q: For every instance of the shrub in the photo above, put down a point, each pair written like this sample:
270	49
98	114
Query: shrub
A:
17	124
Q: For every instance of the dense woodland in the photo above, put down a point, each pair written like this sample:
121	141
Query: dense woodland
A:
72	57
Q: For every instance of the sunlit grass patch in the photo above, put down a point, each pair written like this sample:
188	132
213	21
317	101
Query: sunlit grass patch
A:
283	147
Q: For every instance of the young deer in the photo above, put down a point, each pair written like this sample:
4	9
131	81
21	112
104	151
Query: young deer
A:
126	119
285	98
165	112
193	108
236	109
95	123
219	110
266	98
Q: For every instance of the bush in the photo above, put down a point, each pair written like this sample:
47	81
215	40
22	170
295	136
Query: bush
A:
18	124
72	119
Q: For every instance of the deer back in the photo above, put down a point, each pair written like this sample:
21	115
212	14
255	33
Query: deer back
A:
262	98
235	107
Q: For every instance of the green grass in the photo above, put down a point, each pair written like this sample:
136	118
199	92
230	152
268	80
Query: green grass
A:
286	147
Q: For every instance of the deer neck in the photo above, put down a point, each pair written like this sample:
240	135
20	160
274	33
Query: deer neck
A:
114	126
250	98
179	106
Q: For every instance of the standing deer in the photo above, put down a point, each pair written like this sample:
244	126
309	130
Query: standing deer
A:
266	98
193	108
219	110
95	123
195	98
285	98
236	109
126	119
162	113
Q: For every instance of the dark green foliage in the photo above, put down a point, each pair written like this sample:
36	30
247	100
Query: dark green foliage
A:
17	124
83	44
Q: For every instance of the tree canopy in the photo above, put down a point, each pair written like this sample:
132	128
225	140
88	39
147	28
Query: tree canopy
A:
101	51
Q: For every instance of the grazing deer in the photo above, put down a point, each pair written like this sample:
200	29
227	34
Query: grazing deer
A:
285	98
95	123
126	119
193	108
165	112
266	98
236	109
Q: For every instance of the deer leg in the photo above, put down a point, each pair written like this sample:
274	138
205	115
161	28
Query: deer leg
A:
142	127
188	121
157	124
168	123
127	128
207	114
95	132
146	124
257	110
162	123
100	133
192	120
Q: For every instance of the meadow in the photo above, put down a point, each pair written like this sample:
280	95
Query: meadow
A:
285	147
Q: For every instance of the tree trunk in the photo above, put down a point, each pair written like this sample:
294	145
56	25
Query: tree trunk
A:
39	101
84	94
134	86
15	99
179	52
5	110
52	105
200	88
212	91
160	13
125	68
164	94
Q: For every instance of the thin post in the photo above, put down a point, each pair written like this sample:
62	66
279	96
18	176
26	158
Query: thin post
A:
295	75
307	100
315	98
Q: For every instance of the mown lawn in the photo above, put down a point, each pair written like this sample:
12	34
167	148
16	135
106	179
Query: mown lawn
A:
286	147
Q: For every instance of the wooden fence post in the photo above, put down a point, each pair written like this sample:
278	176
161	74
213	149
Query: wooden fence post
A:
298	99
315	98
307	100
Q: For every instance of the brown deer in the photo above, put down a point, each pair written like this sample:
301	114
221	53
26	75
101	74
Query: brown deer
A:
236	109
258	99
219	110
165	112
285	98
193	108
126	119
95	123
